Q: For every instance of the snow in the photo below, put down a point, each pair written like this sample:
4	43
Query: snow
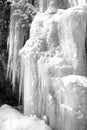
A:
11	119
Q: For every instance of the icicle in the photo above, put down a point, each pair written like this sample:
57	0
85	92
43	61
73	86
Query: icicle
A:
11	44
16	42
29	77
21	74
42	87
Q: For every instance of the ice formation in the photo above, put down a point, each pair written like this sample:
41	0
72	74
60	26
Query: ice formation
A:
19	28
53	67
56	48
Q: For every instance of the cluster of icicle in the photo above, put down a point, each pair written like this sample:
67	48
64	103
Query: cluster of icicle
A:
19	32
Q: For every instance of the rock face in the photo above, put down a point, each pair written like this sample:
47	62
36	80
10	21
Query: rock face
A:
11	119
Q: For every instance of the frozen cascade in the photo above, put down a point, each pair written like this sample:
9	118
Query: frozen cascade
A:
52	67
56	48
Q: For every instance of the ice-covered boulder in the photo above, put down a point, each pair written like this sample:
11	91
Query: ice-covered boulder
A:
11	119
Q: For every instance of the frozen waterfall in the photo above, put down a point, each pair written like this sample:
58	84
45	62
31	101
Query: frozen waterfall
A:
56	49
51	66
